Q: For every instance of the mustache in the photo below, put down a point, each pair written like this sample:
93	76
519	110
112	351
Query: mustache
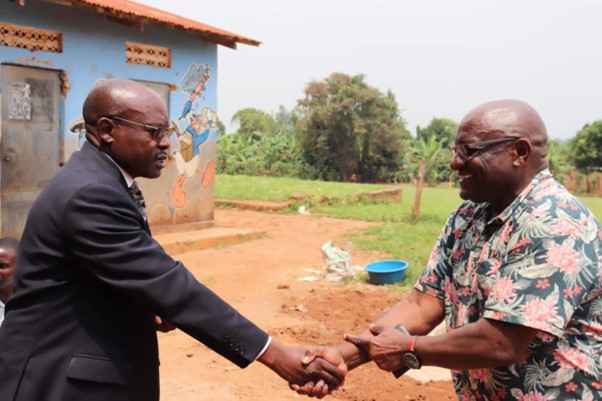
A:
166	156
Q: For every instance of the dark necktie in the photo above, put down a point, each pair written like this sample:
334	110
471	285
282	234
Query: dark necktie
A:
138	199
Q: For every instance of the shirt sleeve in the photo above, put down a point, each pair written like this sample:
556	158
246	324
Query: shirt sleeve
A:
548	271
265	347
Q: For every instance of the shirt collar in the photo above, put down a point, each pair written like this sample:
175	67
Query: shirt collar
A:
519	201
126	176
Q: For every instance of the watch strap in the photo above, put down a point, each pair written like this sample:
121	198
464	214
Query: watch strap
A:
399	372
414	361
412	344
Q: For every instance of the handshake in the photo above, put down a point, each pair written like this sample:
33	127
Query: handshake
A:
318	371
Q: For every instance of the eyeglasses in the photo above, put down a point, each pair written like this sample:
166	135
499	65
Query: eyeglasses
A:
469	150
157	133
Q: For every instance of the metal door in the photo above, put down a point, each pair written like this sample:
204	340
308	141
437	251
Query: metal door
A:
29	142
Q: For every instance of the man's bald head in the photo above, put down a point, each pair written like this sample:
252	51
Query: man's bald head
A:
509	118
114	97
512	117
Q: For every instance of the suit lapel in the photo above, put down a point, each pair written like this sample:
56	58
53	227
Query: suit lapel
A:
112	173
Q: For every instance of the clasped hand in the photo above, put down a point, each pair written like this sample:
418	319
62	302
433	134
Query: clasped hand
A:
320	375
385	347
321	356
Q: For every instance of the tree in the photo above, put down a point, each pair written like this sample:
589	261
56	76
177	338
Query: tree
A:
558	157
253	123
349	130
285	122
443	129
586	147
440	134
283	116
436	157
221	128
263	145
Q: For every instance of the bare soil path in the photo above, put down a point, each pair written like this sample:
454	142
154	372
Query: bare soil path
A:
261	279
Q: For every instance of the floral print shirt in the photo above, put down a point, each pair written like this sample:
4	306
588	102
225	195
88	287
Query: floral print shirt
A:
537	264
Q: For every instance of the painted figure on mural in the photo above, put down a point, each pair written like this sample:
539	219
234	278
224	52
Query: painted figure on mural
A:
78	128
198	129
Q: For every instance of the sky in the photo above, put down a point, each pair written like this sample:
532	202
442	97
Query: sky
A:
440	58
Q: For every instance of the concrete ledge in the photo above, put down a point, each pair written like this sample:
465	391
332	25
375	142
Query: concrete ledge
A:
260	206
392	195
187	241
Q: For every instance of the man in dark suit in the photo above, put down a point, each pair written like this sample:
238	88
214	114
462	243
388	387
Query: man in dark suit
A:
91	282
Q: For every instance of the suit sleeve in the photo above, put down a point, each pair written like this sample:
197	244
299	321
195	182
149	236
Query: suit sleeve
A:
106	236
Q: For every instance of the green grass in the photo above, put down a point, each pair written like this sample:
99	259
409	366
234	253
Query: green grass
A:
277	189
401	236
593	204
436	205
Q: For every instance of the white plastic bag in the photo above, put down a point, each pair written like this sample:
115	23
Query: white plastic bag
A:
338	262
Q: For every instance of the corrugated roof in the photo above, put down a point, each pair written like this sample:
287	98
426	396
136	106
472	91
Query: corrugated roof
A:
137	14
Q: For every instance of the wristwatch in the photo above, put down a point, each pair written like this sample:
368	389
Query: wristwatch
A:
398	373
410	357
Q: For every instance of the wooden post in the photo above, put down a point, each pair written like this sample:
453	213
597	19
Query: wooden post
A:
419	183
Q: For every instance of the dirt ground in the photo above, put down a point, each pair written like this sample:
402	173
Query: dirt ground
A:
266	280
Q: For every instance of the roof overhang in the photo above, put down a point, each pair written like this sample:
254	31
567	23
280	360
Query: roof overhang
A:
137	15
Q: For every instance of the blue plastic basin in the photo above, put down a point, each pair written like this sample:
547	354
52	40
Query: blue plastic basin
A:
387	271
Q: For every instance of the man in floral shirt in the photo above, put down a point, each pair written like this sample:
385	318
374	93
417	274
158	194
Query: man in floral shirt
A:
536	264
515	274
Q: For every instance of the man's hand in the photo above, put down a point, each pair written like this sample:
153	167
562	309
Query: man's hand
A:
287	363
163	325
320	389
385	347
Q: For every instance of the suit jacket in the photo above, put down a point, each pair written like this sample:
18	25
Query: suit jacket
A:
89	281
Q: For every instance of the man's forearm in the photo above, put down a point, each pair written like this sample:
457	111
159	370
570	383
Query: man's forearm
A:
352	355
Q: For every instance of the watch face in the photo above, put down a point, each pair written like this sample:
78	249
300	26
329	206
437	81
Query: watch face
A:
411	360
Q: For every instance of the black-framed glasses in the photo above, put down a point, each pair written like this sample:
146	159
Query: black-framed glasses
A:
469	150
156	133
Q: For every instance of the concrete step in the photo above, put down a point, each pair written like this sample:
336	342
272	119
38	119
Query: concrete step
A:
187	241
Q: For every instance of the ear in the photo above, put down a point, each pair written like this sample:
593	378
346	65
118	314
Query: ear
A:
105	128
522	151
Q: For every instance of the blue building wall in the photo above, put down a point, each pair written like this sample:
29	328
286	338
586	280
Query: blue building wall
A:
94	49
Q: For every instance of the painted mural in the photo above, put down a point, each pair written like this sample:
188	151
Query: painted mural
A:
188	84
78	128
196	125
